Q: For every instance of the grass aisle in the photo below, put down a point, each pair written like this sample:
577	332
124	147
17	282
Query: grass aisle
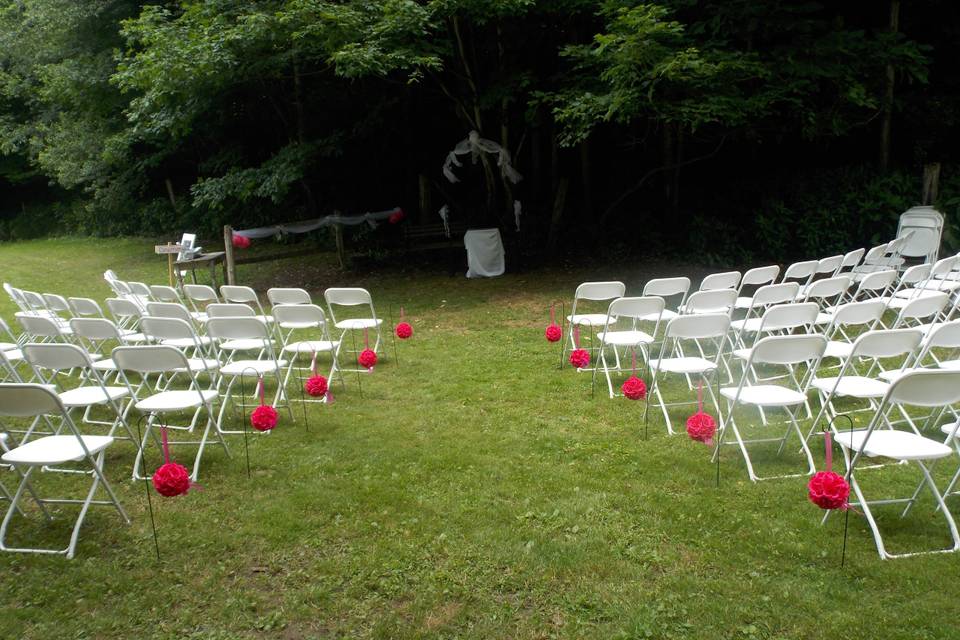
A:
474	492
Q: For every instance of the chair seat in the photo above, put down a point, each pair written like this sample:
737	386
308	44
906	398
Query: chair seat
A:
245	344
592	319
948	428
309	346
301	325
359	323
625	338
899	445
7	346
106	364
896	374
14	355
838	349
914	294
743	302
951	365
667	314
690	364
186	343
824	317
55	450
86	396
245	367
765	395
199	365
132	337
686	310
176	400
751	325
853	386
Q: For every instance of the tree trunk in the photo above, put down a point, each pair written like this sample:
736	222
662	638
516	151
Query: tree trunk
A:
553	237
173	199
887	122
425	207
587	180
931	183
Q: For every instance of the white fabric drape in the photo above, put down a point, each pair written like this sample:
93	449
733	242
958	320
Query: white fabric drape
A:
474	145
484	253
305	226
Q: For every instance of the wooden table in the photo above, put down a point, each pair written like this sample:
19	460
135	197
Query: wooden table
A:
208	260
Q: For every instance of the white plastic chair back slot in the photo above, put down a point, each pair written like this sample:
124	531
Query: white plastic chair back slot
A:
665	287
788	349
168	310
776	294
886	343
760	276
95	329
600	291
698	327
856	313
238	294
299	314
280	295
789	316
724	280
150	359
200	293
710	301
230	310
347	296
923	388
235	328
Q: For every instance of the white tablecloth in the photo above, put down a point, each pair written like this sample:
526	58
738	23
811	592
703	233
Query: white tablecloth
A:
484	253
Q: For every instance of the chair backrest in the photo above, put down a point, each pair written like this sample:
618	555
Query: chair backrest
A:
56	356
760	276
236	293
122	309
944	336
915	274
168	329
34	300
230	310
234	328
875	253
140	289
155	358
599	291
942	267
925	388
723	280
25	400
859	313
168	310
85	307
877	282
299	313
710	301
828	288
200	293
286	295
830	265
635	308
776	294
800	270
95	329
885	343
55	302
163	293
347	296
707	325
923	307
852	259
788	349
789	316
666	287
38	326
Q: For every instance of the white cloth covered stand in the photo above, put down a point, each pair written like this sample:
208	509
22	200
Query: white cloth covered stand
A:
484	253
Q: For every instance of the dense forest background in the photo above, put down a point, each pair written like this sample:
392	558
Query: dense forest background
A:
726	129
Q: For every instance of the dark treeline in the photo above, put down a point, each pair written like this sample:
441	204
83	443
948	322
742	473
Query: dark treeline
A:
727	128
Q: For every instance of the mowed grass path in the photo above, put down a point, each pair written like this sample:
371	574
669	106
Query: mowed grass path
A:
473	492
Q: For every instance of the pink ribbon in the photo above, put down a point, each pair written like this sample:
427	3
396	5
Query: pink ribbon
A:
552	321
313	363
576	337
166	446
260	392
828	443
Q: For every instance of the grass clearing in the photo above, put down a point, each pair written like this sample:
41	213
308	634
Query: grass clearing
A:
473	492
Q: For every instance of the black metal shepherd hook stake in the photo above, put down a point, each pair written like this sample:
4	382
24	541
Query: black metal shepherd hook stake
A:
563	332
243	415
303	398
356	360
846	512
716	376
146	485
393	335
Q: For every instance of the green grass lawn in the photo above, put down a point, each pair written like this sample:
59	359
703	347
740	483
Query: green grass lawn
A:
474	491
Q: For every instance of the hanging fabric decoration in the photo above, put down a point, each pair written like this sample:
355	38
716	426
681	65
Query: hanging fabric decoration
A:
445	216
315	385
633	387
240	242
397	216
264	417
367	357
475	145
517	210
701	426
553	332
403	329
579	358
170	479
827	489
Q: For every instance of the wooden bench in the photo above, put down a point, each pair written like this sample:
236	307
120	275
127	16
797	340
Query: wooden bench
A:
427	237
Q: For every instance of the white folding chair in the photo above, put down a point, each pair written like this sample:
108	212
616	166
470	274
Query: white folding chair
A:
286	295
43	329
33	401
245	295
696	329
723	280
353	297
765	296
199	296
711	301
866	350
179	333
307	317
844	320
235	335
930	389
788	351
827	294
668	288
801	272
85	308
850	261
124	313
588	292
632	310
756	277
165	360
